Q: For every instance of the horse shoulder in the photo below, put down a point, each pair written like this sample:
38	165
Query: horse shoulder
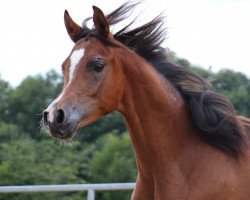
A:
214	175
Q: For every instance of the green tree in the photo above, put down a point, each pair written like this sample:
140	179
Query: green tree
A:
25	161
236	86
8	132
29	99
5	91
113	161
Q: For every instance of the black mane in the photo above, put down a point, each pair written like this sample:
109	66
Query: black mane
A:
212	113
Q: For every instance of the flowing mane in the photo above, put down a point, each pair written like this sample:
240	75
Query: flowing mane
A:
212	113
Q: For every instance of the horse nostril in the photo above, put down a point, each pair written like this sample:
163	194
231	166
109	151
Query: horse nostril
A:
60	116
45	117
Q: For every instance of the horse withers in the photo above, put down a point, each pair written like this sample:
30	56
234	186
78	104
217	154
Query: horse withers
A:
189	143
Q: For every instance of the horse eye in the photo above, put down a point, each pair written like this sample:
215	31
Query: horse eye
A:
63	68
96	65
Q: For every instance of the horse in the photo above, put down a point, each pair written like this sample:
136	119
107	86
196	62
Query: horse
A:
189	142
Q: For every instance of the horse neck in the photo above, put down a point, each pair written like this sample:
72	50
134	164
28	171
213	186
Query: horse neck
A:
155	114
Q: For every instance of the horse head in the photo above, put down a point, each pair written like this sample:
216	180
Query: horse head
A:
92	79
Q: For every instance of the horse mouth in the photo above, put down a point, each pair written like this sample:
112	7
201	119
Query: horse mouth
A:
57	132
61	135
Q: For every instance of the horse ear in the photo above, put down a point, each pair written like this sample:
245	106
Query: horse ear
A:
100	22
75	31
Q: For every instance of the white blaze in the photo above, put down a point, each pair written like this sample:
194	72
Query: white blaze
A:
74	59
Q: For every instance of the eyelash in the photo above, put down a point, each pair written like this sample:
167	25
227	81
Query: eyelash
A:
96	65
63	69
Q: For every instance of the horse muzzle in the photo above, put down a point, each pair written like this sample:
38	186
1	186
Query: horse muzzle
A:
61	123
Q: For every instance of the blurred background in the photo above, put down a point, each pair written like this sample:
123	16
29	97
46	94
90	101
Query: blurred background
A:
208	36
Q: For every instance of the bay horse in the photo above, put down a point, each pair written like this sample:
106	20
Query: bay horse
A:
189	142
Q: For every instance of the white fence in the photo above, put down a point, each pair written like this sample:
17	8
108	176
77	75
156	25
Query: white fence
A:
90	188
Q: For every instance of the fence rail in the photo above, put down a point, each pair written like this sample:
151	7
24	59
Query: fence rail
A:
90	188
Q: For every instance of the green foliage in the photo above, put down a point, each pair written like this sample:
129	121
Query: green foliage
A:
236	86
5	91
24	161
113	162
29	99
8	132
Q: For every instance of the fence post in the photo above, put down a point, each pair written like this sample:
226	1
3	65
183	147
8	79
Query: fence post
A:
91	194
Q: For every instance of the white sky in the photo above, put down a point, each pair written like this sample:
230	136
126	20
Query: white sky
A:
206	32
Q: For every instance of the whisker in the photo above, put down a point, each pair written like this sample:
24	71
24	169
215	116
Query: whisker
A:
68	142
